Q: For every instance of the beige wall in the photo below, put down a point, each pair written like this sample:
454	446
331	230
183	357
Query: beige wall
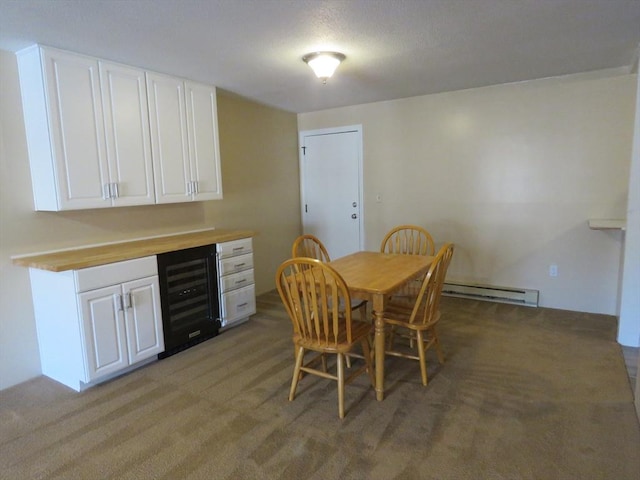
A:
511	174
260	182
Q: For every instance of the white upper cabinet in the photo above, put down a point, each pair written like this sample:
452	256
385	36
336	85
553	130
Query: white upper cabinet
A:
184	139
87	131
97	138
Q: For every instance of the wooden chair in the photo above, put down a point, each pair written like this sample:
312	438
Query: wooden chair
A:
420	317
408	239
312	292
311	247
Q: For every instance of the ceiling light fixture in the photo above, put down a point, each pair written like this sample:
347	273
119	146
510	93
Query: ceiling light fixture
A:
323	63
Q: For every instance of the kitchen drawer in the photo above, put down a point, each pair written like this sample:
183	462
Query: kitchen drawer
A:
236	280
238	304
114	273
236	247
235	264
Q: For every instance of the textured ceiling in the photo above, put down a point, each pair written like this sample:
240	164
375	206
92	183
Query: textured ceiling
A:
394	48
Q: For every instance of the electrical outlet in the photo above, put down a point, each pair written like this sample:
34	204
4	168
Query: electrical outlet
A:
553	270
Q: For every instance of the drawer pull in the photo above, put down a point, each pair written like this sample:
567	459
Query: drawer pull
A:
243	305
238	265
241	281
236	249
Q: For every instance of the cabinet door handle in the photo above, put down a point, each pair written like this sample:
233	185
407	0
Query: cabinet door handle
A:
189	187
106	191
120	303
195	187
116	191
129	300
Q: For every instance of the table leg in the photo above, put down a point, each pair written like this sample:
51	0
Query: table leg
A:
378	311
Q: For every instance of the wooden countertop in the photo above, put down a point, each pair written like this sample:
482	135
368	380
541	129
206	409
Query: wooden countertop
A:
91	256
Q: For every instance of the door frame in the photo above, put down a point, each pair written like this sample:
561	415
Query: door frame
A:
329	131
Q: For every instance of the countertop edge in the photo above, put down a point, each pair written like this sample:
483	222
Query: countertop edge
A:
103	254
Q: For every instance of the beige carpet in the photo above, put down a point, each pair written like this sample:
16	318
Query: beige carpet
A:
525	394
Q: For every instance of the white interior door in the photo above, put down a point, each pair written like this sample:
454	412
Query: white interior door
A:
331	188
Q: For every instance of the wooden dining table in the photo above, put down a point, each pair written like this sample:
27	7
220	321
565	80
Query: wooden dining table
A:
374	276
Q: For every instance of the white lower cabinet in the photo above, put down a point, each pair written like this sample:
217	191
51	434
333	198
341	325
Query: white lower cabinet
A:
97	322
236	281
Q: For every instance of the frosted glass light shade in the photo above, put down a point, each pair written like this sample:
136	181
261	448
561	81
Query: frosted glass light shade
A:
324	63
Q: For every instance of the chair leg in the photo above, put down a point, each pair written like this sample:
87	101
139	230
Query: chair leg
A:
295	356
363	313
341	385
422	357
296	373
362	310
392	333
436	342
366	350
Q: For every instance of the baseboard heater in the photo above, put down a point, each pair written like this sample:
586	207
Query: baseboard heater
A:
490	293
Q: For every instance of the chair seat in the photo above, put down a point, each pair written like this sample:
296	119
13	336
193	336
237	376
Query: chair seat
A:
401	316
359	330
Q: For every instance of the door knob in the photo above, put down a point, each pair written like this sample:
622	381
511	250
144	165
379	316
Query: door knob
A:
354	216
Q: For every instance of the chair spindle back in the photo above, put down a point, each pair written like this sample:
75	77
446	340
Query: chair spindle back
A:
309	246
427	303
408	239
312	293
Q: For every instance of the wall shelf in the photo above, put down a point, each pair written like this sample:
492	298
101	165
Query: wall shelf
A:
607	224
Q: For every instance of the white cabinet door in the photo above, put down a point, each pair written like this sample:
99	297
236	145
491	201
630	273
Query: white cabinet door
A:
184	139
169	142
104	333
143	318
128	143
76	129
204	151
